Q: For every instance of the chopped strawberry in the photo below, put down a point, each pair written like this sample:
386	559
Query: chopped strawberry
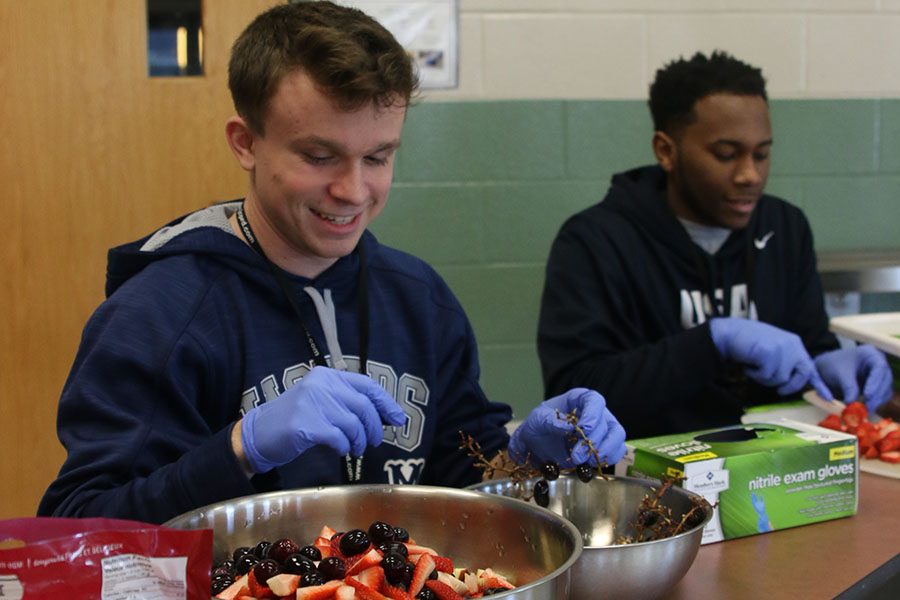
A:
854	414
443	563
324	546
236	589
442	590
327	532
372	577
258	589
364	592
871	452
360	562
319	592
283	584
887	445
890	434
335	542
489	578
455	584
832	422
416	549
889	430
345	592
395	593
471	581
892	457
423	570
495	582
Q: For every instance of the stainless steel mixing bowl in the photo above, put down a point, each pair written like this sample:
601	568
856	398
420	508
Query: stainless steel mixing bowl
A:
532	546
604	511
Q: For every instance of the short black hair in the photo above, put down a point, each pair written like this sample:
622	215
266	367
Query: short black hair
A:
681	83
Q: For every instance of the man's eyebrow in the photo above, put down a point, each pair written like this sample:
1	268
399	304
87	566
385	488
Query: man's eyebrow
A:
739	144
340	149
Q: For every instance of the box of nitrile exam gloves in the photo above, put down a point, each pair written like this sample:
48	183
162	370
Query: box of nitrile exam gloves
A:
759	477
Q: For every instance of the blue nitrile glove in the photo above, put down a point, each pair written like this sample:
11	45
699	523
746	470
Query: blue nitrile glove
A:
763	524
341	410
542	437
843	370
771	356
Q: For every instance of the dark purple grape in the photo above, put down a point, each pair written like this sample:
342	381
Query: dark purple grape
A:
395	547
426	594
262	549
355	541
239	552
311	552
265	569
333	567
408	575
281	549
542	493
225	565
647	518
219	583
312	578
336	535
245	563
394	566
401	535
222	570
297	564
379	532
550	471
585	472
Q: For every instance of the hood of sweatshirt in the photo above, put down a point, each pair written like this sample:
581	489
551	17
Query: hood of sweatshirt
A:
208	232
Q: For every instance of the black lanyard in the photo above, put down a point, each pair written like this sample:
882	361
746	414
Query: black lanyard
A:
352	464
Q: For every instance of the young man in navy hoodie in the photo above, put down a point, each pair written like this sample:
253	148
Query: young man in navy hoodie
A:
273	342
688	294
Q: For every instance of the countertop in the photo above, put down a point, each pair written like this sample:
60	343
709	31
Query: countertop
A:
852	556
860	270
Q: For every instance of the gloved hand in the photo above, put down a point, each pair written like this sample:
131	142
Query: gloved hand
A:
542	436
843	370
772	356
341	410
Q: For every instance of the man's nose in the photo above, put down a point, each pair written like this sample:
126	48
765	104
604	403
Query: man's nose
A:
349	184
749	172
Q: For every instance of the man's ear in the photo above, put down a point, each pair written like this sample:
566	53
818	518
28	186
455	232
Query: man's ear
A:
241	139
665	150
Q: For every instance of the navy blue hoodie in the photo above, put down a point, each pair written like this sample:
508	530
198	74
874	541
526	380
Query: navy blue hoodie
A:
626	304
195	331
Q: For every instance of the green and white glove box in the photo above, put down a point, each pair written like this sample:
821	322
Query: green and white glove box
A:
760	477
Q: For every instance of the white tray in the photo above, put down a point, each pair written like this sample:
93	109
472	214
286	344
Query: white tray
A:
878	329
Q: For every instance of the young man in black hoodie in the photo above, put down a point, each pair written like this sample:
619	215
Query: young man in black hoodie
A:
688	294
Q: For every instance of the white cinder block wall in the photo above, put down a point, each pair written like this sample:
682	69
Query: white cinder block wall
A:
610	49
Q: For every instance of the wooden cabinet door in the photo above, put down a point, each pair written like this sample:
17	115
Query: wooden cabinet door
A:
93	153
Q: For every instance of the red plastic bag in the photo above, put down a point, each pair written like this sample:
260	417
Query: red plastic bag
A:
109	559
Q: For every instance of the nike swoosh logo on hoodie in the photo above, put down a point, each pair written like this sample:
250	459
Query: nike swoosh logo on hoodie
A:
760	243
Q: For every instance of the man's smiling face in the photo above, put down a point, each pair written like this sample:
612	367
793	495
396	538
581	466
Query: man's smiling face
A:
718	164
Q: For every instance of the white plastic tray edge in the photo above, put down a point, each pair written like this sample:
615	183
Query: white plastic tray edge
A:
878	329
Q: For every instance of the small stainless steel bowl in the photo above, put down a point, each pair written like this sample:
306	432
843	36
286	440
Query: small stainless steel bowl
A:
532	546
604	510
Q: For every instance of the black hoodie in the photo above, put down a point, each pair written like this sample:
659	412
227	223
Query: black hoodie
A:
625	306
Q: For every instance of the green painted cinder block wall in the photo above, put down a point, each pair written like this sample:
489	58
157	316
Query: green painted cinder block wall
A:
481	189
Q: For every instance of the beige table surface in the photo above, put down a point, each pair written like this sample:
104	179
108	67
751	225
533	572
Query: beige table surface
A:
815	561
